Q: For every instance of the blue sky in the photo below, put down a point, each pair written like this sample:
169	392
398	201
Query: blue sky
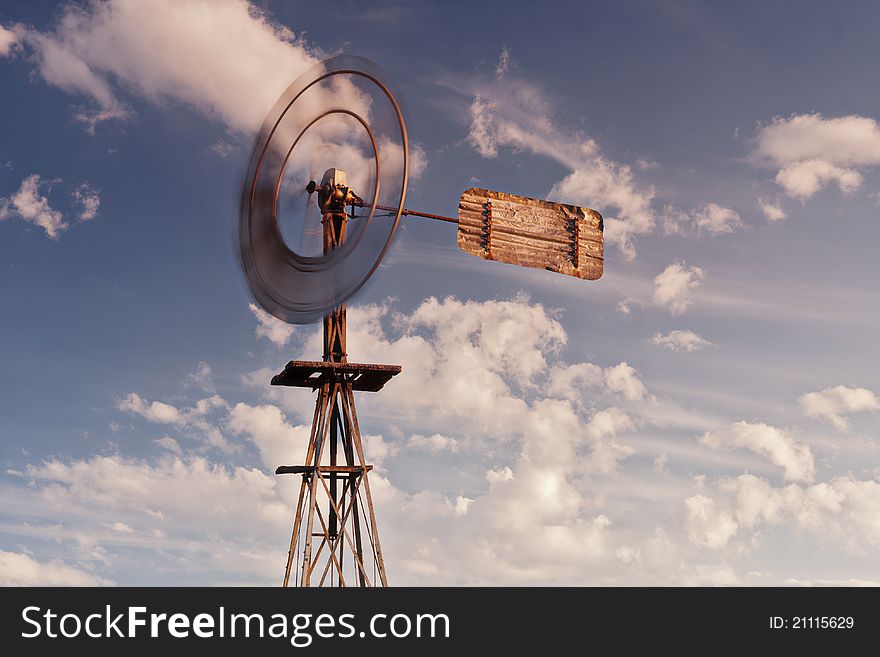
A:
705	413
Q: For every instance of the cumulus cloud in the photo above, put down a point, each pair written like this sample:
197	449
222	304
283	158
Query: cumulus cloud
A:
212	58
279	442
834	404
844	508
270	327
679	340
706	525
545	489
777	446
674	286
29	204
811	151
178	509
624	379
20	569
477	374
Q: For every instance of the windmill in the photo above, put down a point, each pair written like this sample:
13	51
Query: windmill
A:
330	117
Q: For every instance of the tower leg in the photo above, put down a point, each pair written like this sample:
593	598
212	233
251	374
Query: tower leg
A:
330	524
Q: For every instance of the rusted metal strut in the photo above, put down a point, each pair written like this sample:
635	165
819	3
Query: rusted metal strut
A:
407	211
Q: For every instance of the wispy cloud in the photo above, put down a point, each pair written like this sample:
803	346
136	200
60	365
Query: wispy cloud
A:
679	340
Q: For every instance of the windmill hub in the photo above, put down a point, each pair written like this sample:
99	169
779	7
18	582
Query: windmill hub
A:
334	194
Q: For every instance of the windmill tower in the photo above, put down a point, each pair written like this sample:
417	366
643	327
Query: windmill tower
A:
335	539
335	474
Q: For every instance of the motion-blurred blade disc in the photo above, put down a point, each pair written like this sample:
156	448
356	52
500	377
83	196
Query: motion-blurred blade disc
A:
323	113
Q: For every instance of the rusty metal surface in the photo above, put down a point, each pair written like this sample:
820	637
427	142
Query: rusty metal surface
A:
313	374
329	469
529	232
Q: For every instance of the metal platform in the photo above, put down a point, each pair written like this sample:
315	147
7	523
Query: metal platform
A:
314	373
325	470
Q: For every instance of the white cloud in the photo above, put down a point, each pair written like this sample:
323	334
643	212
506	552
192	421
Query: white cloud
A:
679	340
168	443
212	56
435	443
270	327
378	450
706	525
842	509
226	59
194	419
623	378
31	206
8	39
499	475
604	183
810	151
777	446
154	412
674	286
88	199
716	219
279	442
189	514
19	569
834	404
803	179
711	218
476	373
603	428
772	211
568	382
549	492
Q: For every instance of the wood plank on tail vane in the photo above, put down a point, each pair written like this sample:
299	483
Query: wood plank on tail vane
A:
530	232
